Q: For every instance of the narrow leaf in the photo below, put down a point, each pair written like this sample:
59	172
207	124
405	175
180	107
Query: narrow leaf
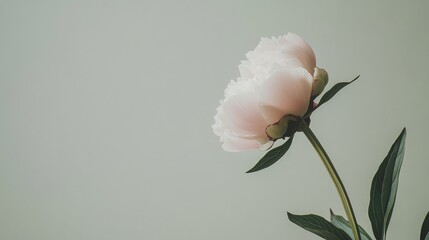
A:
331	93
272	156
343	224
384	188
319	226
424	234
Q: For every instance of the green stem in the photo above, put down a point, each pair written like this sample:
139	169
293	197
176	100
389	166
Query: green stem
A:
335	177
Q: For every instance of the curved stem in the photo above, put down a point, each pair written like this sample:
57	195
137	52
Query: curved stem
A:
335	178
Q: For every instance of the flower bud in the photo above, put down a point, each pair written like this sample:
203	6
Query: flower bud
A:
320	80
279	129
276	131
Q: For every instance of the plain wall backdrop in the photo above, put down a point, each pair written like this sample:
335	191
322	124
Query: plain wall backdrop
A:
106	110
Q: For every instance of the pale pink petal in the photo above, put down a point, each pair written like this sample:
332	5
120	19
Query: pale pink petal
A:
218	126
287	91
298	52
266	44
245	70
238	121
241	114
270	113
233	143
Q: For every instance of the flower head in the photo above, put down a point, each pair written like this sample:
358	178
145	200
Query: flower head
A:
276	80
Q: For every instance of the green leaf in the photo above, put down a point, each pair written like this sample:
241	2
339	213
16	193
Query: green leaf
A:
343	224
424	234
331	93
272	156
384	187
319	226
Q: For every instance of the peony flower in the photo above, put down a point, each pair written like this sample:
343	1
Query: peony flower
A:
275	81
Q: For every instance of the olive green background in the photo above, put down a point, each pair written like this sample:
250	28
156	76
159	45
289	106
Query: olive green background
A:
106	110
